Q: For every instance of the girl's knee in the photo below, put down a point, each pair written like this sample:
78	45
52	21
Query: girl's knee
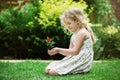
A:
52	72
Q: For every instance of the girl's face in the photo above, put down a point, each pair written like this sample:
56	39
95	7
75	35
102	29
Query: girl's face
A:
72	25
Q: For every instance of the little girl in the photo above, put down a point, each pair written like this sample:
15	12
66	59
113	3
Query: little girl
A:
79	55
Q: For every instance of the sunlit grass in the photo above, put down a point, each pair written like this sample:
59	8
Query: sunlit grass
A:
34	70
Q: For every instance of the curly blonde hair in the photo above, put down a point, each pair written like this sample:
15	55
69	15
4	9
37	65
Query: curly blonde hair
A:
76	14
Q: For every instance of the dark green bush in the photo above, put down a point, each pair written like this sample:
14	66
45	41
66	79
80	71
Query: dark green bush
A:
23	32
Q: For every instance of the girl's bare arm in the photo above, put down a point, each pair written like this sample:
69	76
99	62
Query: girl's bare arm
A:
80	37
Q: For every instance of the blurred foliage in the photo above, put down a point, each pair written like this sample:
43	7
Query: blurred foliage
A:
11	19
23	32
51	10
106	28
111	41
108	43
101	12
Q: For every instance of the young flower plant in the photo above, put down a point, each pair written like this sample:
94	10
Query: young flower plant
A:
50	43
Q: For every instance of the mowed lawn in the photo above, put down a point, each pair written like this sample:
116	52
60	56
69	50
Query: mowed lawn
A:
34	70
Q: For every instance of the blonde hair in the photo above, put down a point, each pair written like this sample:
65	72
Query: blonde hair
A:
77	14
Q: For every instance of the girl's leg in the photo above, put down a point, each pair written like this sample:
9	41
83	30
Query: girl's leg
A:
47	71
52	72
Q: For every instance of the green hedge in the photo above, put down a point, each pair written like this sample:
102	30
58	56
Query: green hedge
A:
23	32
108	43
100	11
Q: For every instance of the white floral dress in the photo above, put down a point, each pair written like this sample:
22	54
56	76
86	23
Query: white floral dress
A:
79	63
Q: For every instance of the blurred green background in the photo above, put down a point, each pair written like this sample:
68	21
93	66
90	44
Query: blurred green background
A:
25	25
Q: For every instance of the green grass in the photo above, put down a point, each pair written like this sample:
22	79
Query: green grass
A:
29	70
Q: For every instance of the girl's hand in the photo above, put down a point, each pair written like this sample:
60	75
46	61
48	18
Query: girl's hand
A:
53	51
